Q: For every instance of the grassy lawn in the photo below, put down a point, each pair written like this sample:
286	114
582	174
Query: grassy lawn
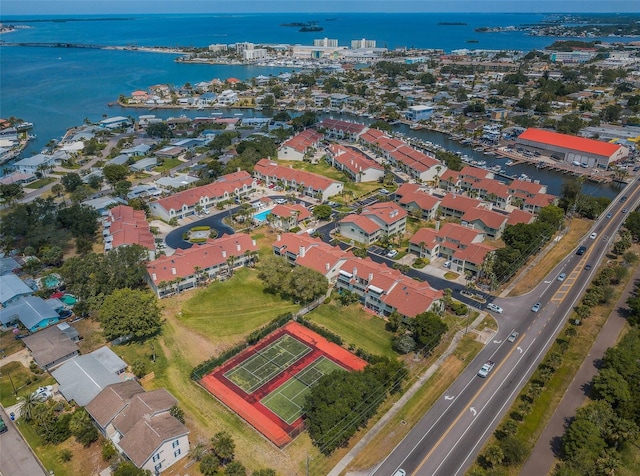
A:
355	326
40	183
167	165
48	454
9	344
577	229
24	382
226	311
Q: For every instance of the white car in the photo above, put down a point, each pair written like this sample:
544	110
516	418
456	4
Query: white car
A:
392	253
447	264
43	393
486	368
400	472
280	201
561	277
593	235
514	335
494	308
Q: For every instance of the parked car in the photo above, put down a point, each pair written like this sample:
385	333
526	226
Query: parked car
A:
514	335
3	426
447	264
383	191
494	308
392	253
280	201
536	307
486	368
43	393
561	277
581	250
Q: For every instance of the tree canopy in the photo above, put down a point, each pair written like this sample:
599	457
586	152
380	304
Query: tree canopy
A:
130	312
298	283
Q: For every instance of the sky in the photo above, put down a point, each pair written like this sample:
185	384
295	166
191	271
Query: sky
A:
80	7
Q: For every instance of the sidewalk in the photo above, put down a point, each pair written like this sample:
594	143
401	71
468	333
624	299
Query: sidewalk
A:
543	455
349	457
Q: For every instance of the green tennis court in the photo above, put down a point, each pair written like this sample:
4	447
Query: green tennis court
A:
287	400
265	364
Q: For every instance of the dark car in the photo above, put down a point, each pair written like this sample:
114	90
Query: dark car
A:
581	250
3	426
623	199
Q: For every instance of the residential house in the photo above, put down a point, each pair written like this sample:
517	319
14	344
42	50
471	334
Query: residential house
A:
424	243
186	269
453	237
300	146
417	200
144	165
32	312
470	260
355	164
140	425
12	288
139	150
492	191
227	97
385	219
52	346
84	376
520	216
9	265
40	162
186	203
311	185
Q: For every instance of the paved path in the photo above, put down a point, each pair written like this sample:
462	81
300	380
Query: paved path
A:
542	457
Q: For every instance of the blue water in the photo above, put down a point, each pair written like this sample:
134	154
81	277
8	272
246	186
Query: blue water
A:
57	88
262	216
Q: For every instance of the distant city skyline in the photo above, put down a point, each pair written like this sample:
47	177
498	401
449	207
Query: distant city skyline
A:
79	7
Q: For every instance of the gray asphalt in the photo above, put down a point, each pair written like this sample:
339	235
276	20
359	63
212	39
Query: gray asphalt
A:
16	458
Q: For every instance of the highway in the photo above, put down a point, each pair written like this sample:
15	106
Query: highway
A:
449	437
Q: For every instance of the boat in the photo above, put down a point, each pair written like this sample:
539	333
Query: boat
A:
509	163
481	163
217	113
238	114
24	126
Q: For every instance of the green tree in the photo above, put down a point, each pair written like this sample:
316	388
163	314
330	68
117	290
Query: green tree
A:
82	427
223	446
160	130
130	312
514	450
274	272
306	284
428	329
322	212
583	434
403	344
139	368
235	468
10	193
209	465
71	182
114	173
28	406
177	412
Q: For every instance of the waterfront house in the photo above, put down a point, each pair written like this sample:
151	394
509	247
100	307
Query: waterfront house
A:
419	113
335	129
116	122
187	269
140	425
454	205
40	162
490	222
353	163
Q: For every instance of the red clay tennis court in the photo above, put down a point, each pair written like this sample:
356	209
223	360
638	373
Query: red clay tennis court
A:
267	383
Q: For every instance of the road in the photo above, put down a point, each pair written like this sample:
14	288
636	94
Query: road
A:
16	457
449	437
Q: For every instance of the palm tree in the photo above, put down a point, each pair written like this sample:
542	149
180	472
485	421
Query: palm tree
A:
29	405
230	261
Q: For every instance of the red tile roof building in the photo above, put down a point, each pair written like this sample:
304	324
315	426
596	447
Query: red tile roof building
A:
572	149
300	145
355	164
125	226
311	185
185	203
336	129
455	205
491	223
376	221
286	217
381	289
189	268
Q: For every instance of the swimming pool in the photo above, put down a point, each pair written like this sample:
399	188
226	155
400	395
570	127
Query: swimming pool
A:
69	299
262	216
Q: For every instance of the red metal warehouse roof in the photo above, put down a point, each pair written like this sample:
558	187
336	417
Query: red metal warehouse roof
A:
570	142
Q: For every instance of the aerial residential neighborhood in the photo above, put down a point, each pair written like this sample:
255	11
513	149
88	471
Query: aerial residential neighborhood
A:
188	284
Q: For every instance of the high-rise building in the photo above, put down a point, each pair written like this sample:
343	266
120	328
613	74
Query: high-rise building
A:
363	43
326	42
